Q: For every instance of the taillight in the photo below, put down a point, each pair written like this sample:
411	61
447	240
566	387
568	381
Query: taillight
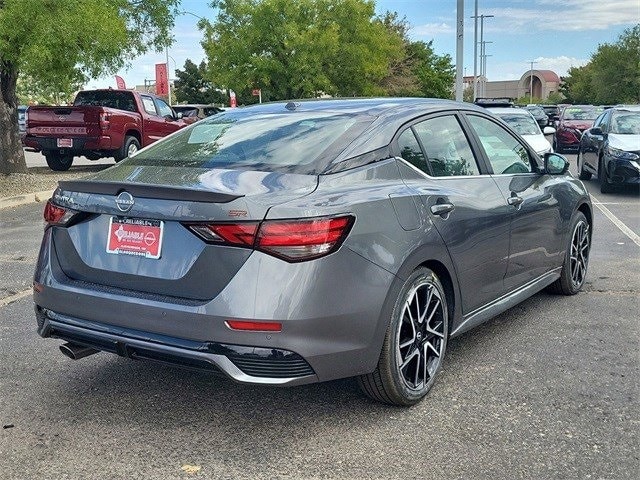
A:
57	215
292	240
105	121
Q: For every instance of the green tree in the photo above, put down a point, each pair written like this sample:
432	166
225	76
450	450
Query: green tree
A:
299	49
30	91
192	86
46	40
612	74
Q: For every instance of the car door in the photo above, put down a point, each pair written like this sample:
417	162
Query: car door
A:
536	234
591	143
168	123
464	203
152	122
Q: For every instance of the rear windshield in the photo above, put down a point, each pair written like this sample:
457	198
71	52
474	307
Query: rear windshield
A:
119	99
522	124
293	142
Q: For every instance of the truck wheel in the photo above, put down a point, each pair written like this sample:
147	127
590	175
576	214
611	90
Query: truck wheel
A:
58	162
130	146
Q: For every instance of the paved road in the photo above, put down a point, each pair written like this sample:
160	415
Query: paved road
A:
36	159
547	390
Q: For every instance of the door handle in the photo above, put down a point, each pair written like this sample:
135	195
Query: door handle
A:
515	200
442	209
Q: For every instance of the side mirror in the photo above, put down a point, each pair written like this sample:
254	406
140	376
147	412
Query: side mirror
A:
555	164
596	131
548	130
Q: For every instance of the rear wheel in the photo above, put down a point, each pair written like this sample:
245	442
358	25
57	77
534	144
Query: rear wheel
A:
130	146
414	345
583	174
576	260
58	161
603	176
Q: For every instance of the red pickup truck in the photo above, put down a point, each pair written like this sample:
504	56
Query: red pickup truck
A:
101	123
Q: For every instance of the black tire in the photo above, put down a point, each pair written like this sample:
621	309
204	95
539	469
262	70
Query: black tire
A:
124	151
605	184
583	174
390	382
576	257
556	146
58	162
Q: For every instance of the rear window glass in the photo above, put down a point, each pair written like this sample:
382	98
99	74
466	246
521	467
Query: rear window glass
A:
522	124
118	99
291	142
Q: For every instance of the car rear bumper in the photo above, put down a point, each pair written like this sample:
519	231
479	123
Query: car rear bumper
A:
80	144
267	366
333	314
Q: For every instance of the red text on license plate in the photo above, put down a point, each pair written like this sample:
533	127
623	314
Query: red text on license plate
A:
135	236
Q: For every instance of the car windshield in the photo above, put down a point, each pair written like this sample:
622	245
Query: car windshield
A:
292	142
536	111
626	123
576	113
522	124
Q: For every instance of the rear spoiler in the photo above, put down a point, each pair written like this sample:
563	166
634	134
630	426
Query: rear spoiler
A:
142	190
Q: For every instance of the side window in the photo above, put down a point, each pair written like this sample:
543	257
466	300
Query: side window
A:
604	121
506	154
149	106
410	150
164	109
448	151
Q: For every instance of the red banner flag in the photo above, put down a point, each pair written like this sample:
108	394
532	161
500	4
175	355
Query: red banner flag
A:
162	82
232	99
120	83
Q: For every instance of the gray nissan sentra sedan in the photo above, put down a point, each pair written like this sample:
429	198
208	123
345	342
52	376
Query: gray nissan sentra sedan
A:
299	242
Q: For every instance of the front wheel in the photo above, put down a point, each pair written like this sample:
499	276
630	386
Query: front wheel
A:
576	259
414	344
603	176
58	162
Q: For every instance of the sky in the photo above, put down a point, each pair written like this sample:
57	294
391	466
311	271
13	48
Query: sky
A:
557	34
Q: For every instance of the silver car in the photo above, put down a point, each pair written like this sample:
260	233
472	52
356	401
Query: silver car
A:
300	242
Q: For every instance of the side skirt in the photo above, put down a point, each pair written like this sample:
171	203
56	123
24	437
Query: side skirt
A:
505	302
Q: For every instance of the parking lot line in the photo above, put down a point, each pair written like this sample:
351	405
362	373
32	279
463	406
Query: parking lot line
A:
16	296
616	221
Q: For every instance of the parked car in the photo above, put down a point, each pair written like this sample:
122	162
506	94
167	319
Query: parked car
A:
198	111
22	120
552	112
522	122
573	120
494	102
539	114
611	148
290	243
101	123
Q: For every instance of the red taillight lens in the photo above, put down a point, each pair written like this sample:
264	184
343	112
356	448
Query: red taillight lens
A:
292	240
57	215
297	240
105	121
254	326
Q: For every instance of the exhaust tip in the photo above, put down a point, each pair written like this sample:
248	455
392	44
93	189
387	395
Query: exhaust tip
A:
75	351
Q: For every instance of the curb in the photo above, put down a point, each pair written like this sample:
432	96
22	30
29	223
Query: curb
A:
18	200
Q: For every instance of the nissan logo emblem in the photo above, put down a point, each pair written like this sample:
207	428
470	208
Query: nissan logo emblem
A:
124	201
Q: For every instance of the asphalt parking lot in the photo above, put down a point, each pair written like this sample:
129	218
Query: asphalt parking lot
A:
547	390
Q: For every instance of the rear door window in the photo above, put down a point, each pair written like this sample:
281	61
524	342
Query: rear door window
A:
148	104
447	148
410	150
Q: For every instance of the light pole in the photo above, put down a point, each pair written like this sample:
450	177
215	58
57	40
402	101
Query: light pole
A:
532	62
459	49
481	17
475	52
483	65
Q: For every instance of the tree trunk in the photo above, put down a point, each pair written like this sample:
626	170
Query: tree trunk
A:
11	153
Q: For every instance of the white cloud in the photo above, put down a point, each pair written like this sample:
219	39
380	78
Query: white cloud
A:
566	15
430	29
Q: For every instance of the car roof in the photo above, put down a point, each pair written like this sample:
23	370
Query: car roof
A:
626	108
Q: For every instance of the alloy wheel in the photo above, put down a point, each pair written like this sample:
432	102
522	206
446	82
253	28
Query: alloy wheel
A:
579	255
133	148
421	335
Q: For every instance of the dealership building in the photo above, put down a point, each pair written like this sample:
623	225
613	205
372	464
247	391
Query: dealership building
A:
544	83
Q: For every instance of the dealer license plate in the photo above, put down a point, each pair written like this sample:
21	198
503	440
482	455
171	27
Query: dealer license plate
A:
65	142
135	236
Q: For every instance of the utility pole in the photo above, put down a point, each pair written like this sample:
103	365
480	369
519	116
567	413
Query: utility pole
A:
482	17
459	50
475	52
532	62
483	64
168	76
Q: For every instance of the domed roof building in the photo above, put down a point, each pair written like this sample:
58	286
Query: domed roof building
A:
541	82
